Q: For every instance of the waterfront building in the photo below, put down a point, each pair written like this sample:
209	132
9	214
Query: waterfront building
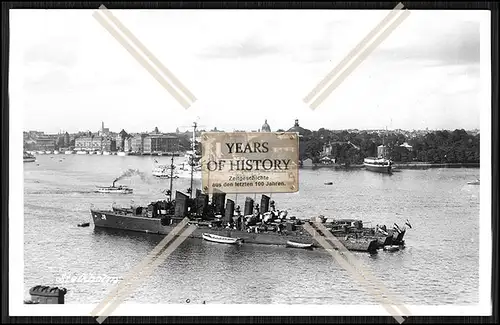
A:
127	144
95	143
108	144
120	140
45	142
327	149
35	134
382	151
137	143
66	140
403	153
307	162
30	145
157	142
327	160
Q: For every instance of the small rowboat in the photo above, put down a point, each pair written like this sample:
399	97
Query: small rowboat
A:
476	182
391	248
298	245
328	183
220	239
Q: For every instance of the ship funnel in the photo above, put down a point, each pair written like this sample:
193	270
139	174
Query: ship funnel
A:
114	182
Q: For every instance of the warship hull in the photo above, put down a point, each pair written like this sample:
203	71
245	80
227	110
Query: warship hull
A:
112	220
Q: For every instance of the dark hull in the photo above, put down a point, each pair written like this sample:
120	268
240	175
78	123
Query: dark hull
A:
379	169
109	219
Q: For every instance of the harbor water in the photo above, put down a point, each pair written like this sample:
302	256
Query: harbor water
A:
439	265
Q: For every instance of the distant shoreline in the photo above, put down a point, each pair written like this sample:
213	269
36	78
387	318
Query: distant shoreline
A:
414	165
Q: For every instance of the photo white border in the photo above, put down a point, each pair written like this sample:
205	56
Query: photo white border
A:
16	231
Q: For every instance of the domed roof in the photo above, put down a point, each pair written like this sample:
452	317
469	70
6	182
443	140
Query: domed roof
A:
297	128
266	127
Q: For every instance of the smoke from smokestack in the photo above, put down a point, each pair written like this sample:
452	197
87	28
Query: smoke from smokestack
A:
130	173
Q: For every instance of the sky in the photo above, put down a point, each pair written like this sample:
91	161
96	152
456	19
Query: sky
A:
67	73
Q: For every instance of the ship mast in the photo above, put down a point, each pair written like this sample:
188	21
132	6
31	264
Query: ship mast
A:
193	147
171	175
386	149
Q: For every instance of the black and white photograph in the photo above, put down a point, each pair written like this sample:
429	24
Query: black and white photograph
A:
387	118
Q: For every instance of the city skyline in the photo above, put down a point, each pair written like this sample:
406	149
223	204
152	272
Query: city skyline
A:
425	75
184	130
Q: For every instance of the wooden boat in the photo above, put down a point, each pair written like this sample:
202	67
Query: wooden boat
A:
328	183
392	248
298	245
220	239
85	224
476	182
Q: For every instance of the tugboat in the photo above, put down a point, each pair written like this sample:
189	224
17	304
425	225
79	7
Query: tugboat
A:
121	189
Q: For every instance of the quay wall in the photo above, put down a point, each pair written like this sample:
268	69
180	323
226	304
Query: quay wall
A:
415	165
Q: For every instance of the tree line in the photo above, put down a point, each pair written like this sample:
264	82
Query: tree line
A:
456	146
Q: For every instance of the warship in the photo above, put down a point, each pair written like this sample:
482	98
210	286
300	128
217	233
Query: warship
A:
256	225
219	220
